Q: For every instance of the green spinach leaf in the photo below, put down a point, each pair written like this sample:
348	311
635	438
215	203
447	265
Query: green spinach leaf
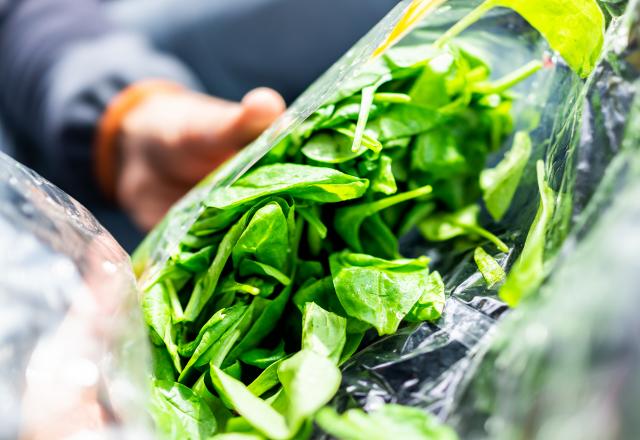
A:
528	271
270	313
212	336
196	262
404	120
574	28
499	184
256	411
431	303
263	357
179	413
389	422
250	268
206	285
331	147
446	226
349	219
323	332
265	239
267	380
437	153
383	180
309	381
158	314
491	271
377	291
300	181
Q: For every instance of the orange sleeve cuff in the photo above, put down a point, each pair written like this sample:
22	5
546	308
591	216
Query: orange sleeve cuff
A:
106	155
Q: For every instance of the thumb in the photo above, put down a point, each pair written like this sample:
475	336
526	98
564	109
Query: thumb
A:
259	109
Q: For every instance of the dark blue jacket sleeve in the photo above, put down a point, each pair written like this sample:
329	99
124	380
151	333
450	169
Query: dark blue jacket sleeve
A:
61	62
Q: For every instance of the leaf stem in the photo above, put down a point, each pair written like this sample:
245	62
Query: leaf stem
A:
486	234
391	98
363	116
381	204
509	80
178	313
464	23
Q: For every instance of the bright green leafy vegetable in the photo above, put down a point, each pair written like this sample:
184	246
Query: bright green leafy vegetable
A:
330	148
348	220
238	436
301	181
309	381
528	270
389	422
180	413
574	28
266	381
206	285
376	291
447	226
499	184
266	238
491	271
256	411
431	304
263	357
323	332
156	310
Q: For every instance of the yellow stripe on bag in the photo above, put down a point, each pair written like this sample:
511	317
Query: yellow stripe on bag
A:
415	12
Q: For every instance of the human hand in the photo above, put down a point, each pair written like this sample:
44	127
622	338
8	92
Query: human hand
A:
172	140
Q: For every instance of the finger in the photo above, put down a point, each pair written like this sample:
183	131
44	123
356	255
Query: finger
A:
243	123
186	166
261	107
219	130
201	132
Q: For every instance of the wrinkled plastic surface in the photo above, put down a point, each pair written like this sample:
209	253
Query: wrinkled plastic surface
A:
72	344
568	365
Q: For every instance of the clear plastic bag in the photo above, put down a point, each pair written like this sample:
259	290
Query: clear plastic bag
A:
575	130
398	368
73	348
568	365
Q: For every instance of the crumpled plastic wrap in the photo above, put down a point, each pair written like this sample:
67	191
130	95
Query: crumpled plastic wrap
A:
72	344
568	365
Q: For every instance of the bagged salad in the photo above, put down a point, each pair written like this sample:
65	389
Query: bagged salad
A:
430	150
